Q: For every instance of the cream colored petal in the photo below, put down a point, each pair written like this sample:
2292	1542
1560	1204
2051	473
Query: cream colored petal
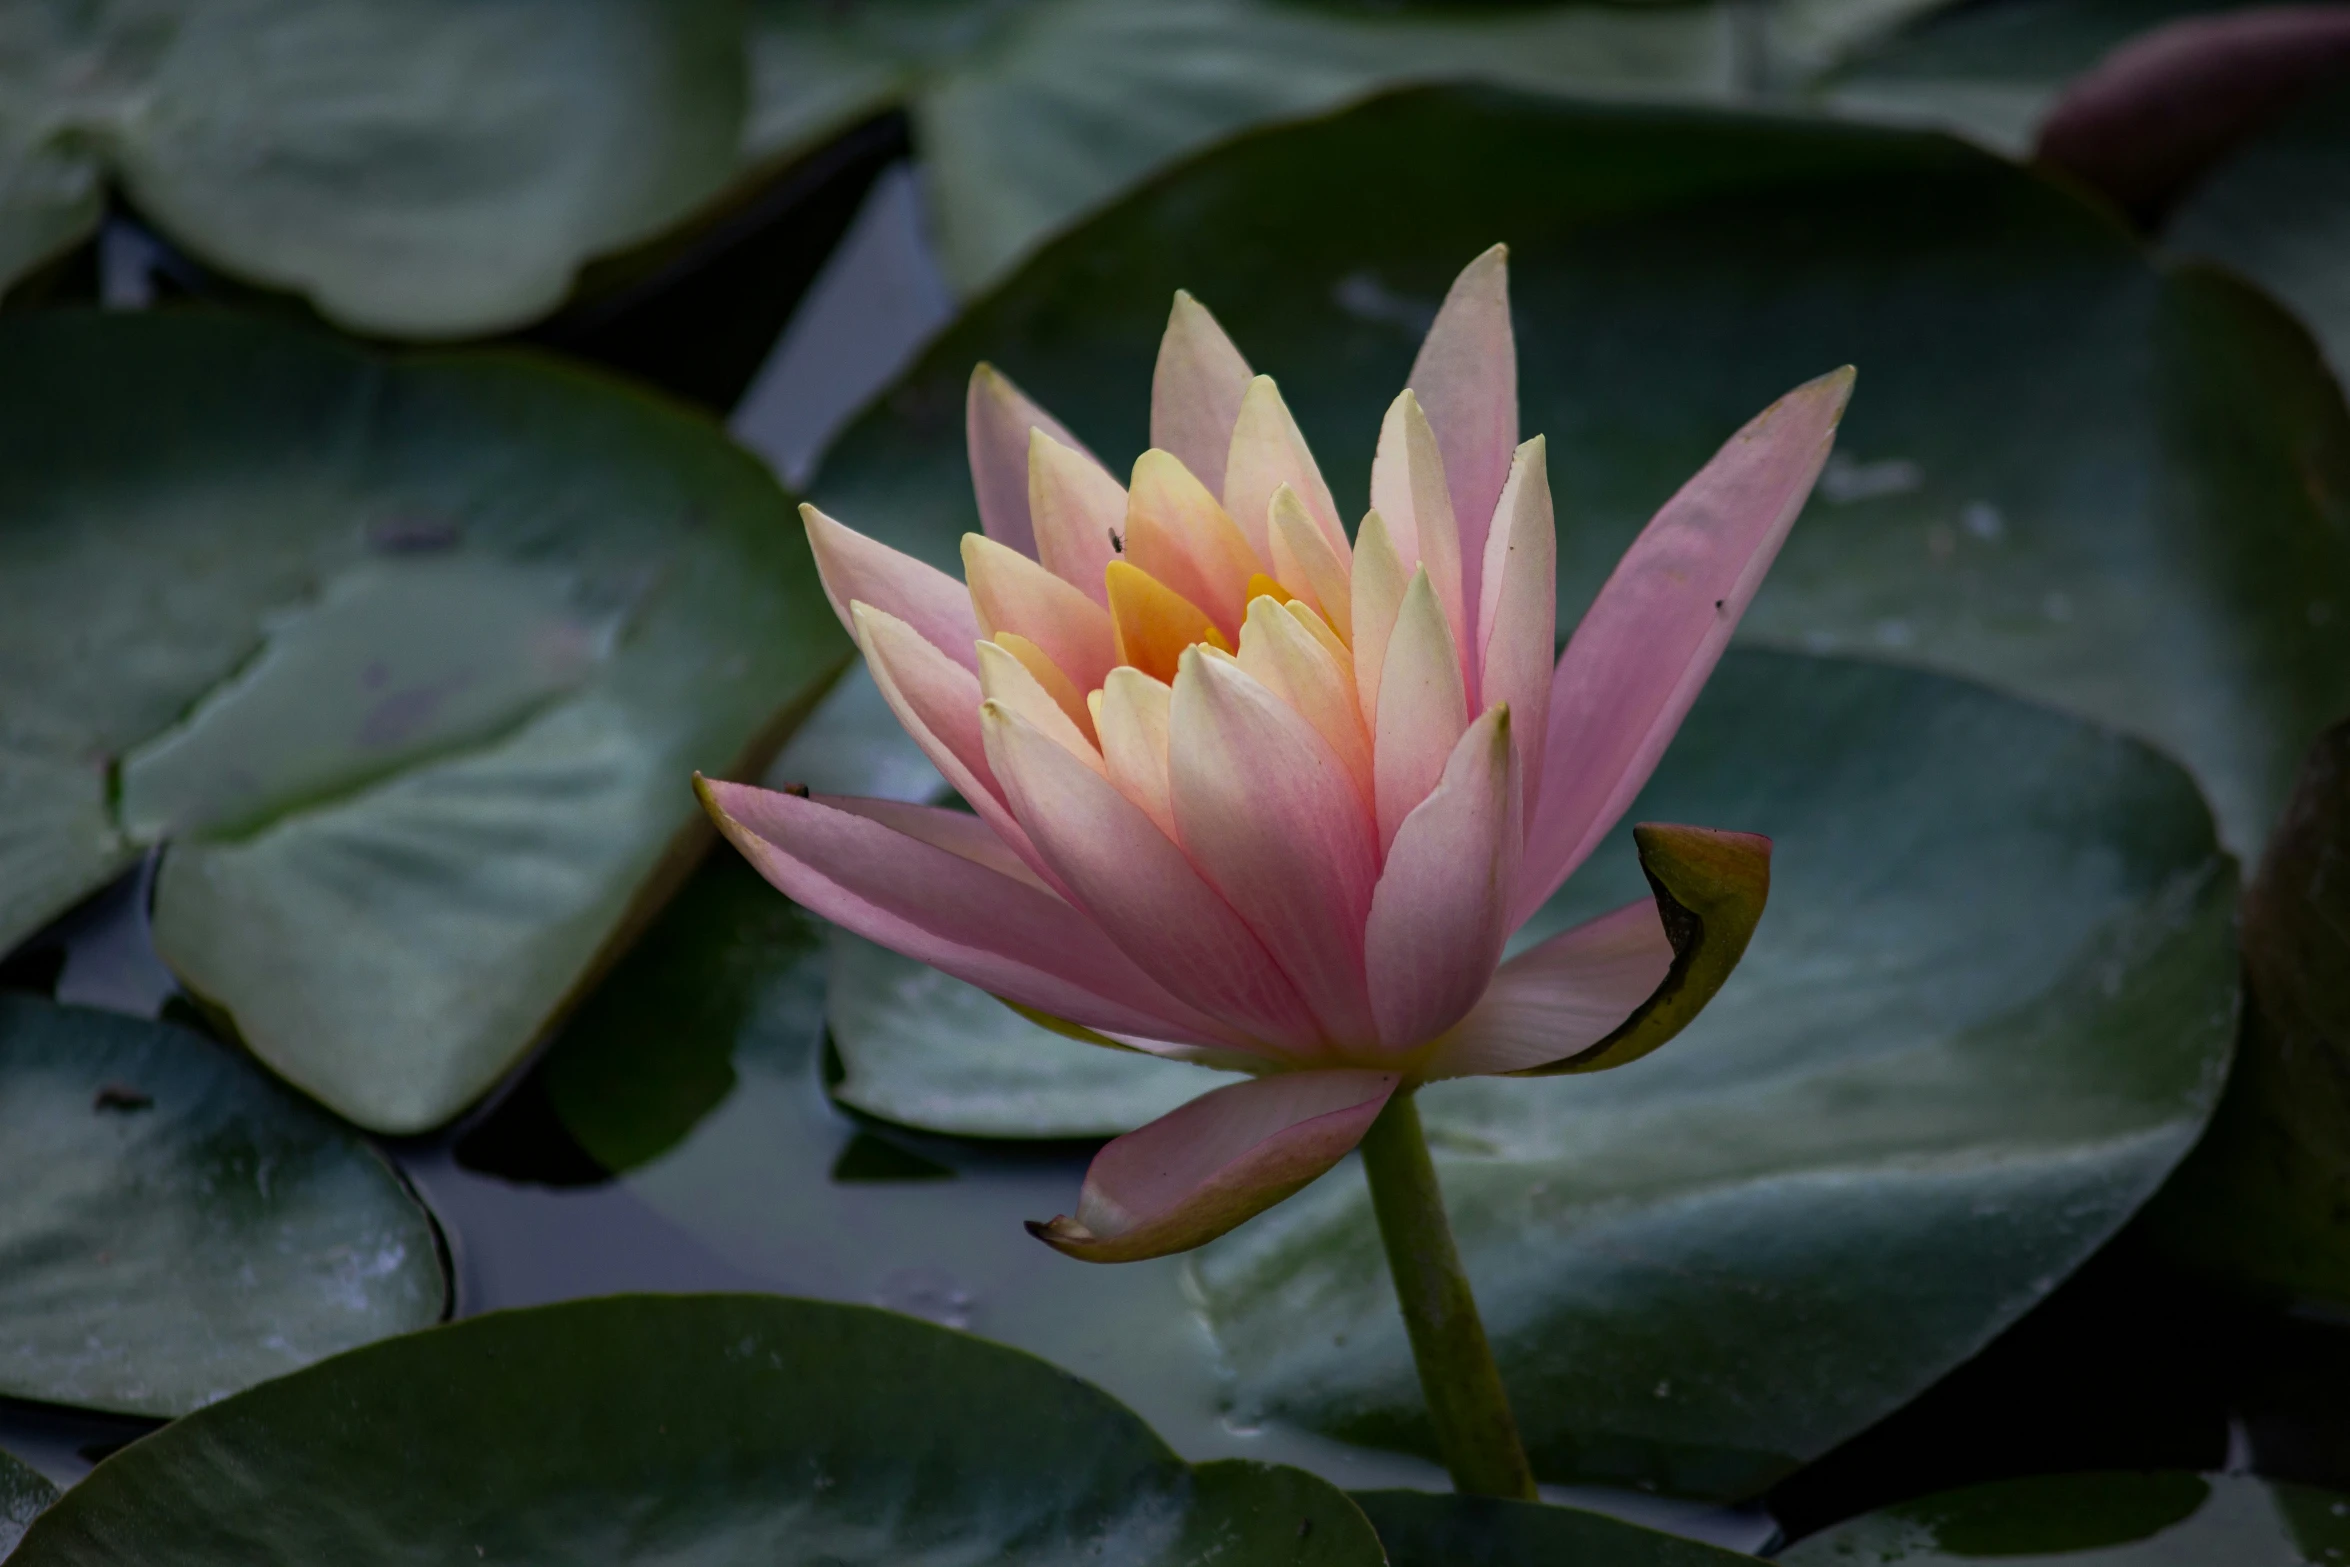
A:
1519	618
1408	491
1268	451
1305	563
1131	715
1422	707
1010	592
1003	678
1052	677
1378	584
1290	662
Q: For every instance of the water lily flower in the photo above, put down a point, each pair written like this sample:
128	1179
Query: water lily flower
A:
1249	792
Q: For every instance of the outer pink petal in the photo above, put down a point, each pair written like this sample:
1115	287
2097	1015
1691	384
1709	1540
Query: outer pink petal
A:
987	929
1075	507
1141	890
1196	391
1651	638
937	703
1467	378
1441	914
1220	1160
1519	620
997	417
1561	997
1422	708
1268	813
957	832
857	569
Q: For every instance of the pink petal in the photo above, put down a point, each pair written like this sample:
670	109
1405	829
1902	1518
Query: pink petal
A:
1519	619
997	417
957	832
1280	650
987	929
1140	889
1408	492
1075	507
856	569
1648	642
1561	997
1196	391
1003	678
1422	708
1176	531
1010	592
1467	378
1270	817
937	703
1132	720
1441	913
1377	589
1218	1161
1268	451
1305	564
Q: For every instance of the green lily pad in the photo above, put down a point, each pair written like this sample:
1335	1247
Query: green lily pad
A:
696	1429
408	662
2066	471
178	1227
1431	1529
23	1494
2265	1198
2099	1520
920	1048
1031	114
1988	1009
430	170
2278	211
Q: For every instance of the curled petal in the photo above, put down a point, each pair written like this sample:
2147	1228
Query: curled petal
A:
1378	586
1615	989
1466	376
1409	493
1196	390
1268	451
1140	889
1132	719
1422	708
1010	592
1076	508
1441	912
1648	642
1216	1162
1270	817
1519	619
856	569
1177	533
997	417
1306	565
998	932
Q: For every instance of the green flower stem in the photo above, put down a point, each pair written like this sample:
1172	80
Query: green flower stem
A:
1475	1430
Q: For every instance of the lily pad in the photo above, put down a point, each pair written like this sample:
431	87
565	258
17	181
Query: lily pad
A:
23	1493
920	1048
2117	488
1988	1009
698	1429
2265	1198
2279	213
178	1227
431	170
2099	1520
408	662
1431	1529
1031	113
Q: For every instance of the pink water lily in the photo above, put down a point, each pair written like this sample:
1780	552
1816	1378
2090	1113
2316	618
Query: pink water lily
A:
1248	793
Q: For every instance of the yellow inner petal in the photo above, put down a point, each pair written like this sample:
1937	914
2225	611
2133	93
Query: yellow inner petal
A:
1049	675
1154	623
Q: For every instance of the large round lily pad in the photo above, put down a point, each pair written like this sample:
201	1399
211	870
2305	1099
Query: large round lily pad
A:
177	1227
407	661
2065	470
23	1493
686	1430
2098	1520
428	170
1030	113
1988	1009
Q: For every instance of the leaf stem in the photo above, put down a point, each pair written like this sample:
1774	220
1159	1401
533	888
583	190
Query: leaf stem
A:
1475	1431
